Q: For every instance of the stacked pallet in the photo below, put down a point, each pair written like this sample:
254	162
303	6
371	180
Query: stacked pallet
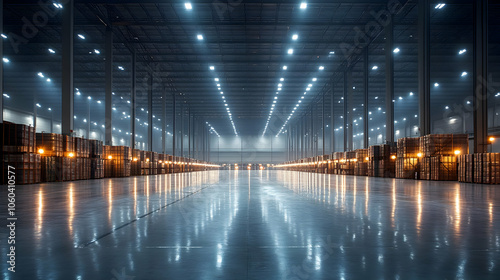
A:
153	164
18	154
441	152
50	144
26	168
17	138
117	161
408	158
444	168
135	166
487	168
82	147
382	161
466	168
444	144
361	164
96	159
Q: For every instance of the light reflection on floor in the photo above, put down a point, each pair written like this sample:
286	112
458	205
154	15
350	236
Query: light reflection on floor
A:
256	225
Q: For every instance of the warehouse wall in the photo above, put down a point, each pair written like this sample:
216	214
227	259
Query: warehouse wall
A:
245	149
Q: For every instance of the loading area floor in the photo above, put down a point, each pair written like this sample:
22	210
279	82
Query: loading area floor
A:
254	225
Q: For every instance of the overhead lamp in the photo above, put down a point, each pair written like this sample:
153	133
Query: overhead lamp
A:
411	93
396	50
462	51
200	37
464	74
81	36
40	74
52	51
332	53
321	68
295	37
436	84
212	68
96	51
4	36
282	79
303	5
290	51
188	6
216	79
375	67
285	67
439	6
6	60
315	79
121	68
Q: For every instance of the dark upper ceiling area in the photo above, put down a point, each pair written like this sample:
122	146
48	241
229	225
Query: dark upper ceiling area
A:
248	44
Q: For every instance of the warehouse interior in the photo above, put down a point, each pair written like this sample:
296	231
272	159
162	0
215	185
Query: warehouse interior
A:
255	139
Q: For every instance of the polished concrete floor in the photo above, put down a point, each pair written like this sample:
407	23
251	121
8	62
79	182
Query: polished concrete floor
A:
255	225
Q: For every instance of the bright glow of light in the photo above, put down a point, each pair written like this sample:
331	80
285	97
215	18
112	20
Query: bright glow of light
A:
200	37
282	79
290	51
81	36
40	74
321	68
464	74
97	51
332	53
38	105
303	5
216	79
6	60
436	84
447	107
212	68
6	95
295	37
375	67
52	51
188	6
462	51
121	68
439	6
411	93
315	79
49	80
285	67
4	36
396	50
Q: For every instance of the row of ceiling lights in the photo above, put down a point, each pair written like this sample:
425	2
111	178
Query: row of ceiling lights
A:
228	110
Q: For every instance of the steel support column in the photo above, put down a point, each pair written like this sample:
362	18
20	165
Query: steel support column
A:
132	100
323	125
150	112
164	121
424	76
480	76
389	82
344	116
174	128
332	120
1	64
365	107
349	115
108	100
67	98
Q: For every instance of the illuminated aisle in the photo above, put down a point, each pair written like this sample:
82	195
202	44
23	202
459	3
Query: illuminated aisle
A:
257	225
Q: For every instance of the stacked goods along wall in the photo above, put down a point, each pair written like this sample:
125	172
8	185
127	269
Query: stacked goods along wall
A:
50	144
361	164
347	163
136	164
442	147
408	158
154	163
444	144
487	168
117	161
373	163
444	168
24	167
19	161
324	162
96	159
466	168
407	168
